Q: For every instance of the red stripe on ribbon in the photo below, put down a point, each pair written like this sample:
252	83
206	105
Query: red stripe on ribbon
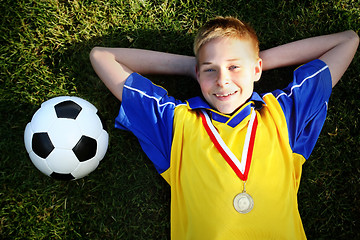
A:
226	156
251	148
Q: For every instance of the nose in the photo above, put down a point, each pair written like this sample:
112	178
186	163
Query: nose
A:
223	78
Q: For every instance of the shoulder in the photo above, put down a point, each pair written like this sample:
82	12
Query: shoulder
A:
144	101
311	80
312	69
138	84
141	88
304	104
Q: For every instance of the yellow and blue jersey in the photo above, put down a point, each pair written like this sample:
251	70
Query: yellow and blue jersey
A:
203	185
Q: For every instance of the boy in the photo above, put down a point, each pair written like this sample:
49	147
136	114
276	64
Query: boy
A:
232	157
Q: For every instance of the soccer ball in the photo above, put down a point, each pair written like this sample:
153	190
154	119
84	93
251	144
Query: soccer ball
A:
65	138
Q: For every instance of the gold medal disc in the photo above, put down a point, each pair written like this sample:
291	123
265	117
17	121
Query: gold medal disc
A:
243	203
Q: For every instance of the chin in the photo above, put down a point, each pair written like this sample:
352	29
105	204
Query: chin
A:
227	111
229	107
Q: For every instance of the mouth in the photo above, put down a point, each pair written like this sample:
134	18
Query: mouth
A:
224	95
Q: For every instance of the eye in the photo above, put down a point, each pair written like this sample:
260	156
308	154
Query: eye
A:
234	67
209	70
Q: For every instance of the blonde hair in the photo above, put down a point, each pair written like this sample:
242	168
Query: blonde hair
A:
221	27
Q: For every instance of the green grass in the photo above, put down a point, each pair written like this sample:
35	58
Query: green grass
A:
44	53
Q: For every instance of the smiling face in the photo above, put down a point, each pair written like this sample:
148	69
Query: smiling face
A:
226	71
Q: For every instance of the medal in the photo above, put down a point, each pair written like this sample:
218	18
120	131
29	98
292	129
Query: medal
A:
243	202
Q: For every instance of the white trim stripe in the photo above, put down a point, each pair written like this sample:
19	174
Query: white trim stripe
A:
299	85
151	97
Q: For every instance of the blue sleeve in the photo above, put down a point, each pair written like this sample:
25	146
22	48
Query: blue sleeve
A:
147	111
304	102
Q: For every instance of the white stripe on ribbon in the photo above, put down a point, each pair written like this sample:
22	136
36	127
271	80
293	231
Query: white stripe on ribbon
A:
240	165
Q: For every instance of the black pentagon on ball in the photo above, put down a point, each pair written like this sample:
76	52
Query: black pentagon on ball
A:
85	149
67	109
42	145
62	176
102	120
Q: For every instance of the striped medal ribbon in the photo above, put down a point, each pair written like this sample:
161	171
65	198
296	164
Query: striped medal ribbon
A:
243	202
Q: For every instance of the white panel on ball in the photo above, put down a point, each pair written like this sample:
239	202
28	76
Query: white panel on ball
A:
90	123
62	161
103	142
28	137
43	119
40	163
64	133
85	168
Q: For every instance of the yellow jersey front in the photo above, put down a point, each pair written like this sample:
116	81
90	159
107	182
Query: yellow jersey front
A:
203	185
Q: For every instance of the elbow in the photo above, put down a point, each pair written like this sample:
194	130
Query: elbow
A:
94	53
353	37
99	54
356	38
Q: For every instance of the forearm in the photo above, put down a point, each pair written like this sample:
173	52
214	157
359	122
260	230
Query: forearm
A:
302	51
152	62
114	65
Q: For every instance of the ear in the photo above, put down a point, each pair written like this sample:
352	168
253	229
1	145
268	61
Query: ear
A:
258	69
197	72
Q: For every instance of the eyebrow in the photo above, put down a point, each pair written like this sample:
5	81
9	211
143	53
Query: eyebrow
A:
233	60
206	63
229	60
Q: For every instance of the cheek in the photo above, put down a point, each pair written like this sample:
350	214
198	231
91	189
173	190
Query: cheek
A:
244	79
205	86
